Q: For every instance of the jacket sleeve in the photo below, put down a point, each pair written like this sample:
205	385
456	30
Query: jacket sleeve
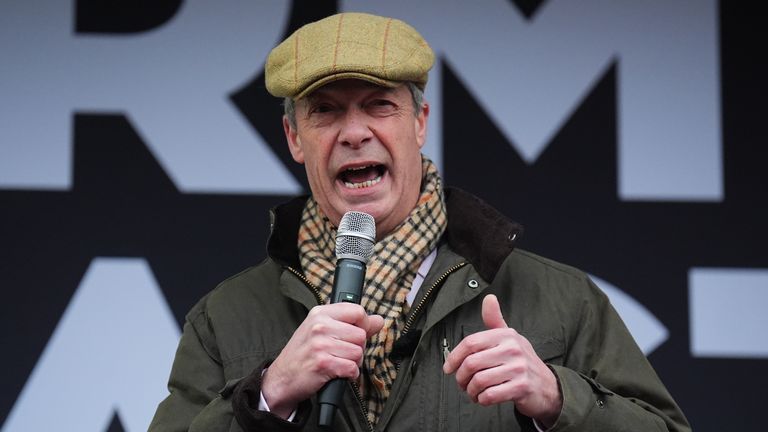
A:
195	401
201	400
607	383
245	402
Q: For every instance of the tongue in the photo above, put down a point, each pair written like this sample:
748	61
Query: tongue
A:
359	176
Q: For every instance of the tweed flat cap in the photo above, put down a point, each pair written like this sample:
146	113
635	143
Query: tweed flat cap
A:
381	50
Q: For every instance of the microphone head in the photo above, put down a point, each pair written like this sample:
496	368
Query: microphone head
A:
355	236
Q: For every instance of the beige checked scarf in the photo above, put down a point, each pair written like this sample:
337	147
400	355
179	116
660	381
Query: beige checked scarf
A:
389	275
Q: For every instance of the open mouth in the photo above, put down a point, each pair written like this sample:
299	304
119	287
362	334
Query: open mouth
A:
362	177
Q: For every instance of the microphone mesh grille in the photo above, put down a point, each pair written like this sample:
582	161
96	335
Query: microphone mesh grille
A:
355	236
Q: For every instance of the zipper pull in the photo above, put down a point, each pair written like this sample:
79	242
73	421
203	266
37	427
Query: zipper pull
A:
446	350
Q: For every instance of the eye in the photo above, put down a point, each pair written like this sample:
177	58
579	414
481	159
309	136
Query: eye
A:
381	102
321	108
382	106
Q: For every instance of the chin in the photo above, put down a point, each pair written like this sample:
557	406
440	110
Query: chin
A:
371	209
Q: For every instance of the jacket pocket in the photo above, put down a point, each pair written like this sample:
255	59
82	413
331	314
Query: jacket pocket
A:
549	349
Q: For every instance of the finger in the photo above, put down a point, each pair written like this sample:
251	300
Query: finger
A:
479	362
340	349
492	317
375	324
491	377
326	328
469	345
350	313
336	367
502	392
456	357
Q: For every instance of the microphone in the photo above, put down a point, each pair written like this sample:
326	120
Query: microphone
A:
354	245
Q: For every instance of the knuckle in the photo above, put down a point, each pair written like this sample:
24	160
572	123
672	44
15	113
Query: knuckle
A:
462	380
488	397
358	336
482	380
518	368
320	345
472	363
472	343
357	352
520	390
315	311
351	370
512	350
323	363
318	328
321	366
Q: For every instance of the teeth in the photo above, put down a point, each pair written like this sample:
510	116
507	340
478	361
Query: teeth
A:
364	184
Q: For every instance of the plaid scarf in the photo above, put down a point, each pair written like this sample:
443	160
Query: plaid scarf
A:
389	275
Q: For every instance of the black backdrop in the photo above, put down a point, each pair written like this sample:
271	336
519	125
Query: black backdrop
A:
122	204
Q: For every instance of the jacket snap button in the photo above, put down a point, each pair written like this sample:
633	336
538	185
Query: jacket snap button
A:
472	283
600	403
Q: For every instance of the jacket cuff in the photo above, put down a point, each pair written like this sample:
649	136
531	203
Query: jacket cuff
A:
245	404
582	398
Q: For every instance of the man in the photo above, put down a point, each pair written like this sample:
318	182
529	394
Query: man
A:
457	330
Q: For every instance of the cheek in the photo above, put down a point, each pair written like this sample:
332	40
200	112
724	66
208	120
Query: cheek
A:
414	161
410	175
317	163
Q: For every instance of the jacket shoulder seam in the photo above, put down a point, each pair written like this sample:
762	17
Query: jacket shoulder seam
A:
553	265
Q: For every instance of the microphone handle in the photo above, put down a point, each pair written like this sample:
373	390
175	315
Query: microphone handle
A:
347	287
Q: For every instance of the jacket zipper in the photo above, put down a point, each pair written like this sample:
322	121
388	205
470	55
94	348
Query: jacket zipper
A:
355	388
417	310
359	397
315	290
443	406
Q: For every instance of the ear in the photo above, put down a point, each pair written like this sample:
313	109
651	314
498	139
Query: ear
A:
294	142
421	125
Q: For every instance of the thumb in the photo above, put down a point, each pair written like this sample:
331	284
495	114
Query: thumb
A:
375	323
492	317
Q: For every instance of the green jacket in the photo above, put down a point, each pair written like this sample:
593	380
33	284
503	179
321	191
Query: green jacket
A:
230	335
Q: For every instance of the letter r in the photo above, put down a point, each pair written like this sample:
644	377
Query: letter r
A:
172	83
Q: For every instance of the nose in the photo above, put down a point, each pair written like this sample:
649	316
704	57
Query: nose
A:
354	130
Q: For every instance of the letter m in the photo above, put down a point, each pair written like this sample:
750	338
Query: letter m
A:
530	75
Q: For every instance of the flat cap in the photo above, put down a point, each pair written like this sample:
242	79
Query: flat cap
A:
381	50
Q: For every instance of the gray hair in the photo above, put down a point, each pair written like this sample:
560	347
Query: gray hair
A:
417	94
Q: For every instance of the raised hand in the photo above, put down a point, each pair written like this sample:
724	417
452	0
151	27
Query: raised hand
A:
499	365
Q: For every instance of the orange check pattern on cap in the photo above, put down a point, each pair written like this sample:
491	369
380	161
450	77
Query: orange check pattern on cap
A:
389	275
350	45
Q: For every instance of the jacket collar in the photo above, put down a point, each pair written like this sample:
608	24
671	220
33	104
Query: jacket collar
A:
475	231
478	232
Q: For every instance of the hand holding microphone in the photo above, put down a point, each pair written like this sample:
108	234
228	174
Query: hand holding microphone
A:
331	341
354	245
